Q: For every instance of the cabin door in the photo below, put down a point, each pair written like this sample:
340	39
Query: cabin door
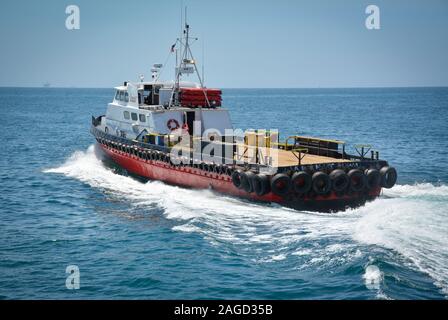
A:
189	120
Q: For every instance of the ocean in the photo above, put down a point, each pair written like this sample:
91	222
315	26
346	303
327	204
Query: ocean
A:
61	205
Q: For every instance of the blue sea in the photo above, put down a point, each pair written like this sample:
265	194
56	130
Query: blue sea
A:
61	205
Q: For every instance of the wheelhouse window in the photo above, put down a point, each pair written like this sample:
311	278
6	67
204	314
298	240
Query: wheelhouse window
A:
126	97
134	116
117	95
121	96
126	115
142	117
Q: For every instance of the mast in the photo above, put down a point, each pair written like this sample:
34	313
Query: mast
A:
186	64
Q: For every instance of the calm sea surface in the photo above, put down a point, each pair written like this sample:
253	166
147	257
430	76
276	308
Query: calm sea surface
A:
60	205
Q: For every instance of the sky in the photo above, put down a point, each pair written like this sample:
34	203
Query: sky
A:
242	43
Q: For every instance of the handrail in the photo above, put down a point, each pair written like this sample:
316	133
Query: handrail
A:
318	139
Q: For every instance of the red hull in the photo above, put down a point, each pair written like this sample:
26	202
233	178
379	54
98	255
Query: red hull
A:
200	179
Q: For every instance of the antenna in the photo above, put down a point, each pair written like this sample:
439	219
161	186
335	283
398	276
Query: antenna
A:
203	59
181	19
186	63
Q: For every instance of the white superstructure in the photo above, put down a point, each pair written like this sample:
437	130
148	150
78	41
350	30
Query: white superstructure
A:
146	106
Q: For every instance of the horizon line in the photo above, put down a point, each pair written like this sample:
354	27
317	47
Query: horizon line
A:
244	88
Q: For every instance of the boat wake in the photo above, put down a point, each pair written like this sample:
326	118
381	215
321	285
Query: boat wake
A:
410	220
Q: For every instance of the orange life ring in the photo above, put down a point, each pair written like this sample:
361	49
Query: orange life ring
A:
172	124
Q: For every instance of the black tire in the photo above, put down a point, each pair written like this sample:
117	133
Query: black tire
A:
301	182
339	180
246	181
358	180
388	177
236	178
281	184
321	183
373	177
261	185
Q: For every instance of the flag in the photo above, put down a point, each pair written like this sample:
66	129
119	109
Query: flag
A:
172	47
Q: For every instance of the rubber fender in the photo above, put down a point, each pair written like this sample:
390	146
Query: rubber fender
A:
301	182
281	184
358	180
261	185
236	178
388	177
321	183
246	181
339	180
373	177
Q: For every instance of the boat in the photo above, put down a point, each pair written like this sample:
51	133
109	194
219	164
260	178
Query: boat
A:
180	132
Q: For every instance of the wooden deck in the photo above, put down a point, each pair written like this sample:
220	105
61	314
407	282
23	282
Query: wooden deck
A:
285	158
279	157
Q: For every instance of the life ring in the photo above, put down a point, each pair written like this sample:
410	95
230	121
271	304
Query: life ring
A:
301	182
173	124
260	184
281	184
339	180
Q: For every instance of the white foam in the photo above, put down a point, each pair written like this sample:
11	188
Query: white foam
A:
410	219
417	190
304	252
414	227
373	277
